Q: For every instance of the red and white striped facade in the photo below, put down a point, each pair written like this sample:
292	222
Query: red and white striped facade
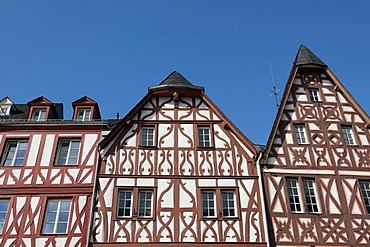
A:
317	156
30	185
176	170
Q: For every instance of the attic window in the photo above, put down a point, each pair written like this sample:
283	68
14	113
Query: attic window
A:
83	115
39	114
4	110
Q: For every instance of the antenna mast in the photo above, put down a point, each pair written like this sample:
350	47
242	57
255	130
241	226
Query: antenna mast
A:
274	90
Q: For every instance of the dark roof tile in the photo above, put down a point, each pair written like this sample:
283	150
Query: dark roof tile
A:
306	57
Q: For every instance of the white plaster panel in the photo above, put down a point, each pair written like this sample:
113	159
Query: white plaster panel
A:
185	102
185	115
331	99
231	235
32	155
125	182
165	234
168	196
168	140
341	98
250	154
188	235
122	238
347	109
334	192
41	241
333	127
284	117
205	162
272	161
272	192
326	82
70	135
279	150
108	195
166	115
99	229
18	136
209	235
202	115
169	104
144	236
297	81
184	140
149	182
90	139
165	162
290	98
150	103
130	141
186	200
148	115
348	117
54	172
61	242
289	138
313	126
289	107
214	116
348	193
48	148
88	179
202	105
25	174
363	139
277	140
226	182
358	119
326	91
302	97
220	138
207	182
1	138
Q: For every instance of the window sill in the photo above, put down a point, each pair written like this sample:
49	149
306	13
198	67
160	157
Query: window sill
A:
148	147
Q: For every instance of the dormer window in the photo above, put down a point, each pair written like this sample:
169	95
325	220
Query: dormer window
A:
4	110
83	115
38	115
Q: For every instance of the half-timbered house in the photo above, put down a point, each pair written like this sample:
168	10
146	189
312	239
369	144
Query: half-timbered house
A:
47	172
317	161
176	172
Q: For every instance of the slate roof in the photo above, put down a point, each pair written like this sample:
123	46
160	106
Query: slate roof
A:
20	111
175	79
306	57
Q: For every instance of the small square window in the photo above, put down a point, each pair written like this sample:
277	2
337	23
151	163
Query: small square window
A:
348	135
38	115
57	216
68	152
204	136
83	115
300	134
365	189
147	136
314	95
15	152
4	204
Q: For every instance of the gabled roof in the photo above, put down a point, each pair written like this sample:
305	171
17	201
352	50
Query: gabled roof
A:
84	101
307	57
175	80
40	101
6	100
184	84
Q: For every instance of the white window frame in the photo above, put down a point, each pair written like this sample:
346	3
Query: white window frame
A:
83	114
68	157
124	207
147	136
300	134
16	152
348	135
145	206
3	213
58	213
314	94
204	136
296	189
230	203
38	114
365	191
206	201
5	110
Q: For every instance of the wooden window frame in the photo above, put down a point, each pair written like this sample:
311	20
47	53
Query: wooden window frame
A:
365	198
318	95
78	108
57	152
46	206
83	110
211	136
304	133
6	150
302	197
155	135
33	111
2	224
134	211
350	128
218	203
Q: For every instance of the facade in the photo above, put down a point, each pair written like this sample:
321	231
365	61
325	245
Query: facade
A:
47	172
176	172
317	162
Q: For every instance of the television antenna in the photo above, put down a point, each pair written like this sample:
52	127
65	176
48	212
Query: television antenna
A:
274	89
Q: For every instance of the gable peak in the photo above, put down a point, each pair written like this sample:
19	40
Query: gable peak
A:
176	80
306	57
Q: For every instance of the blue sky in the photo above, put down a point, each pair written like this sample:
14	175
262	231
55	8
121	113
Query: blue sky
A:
112	51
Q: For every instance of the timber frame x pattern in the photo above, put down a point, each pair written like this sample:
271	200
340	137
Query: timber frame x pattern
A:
174	146
317	157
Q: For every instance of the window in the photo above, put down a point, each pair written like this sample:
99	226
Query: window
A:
38	115
295	201
4	204
147	136
348	135
365	189
124	203
135	203
14	154
314	95
218	199
4	110
68	152
300	134
83	115
57	215
204	139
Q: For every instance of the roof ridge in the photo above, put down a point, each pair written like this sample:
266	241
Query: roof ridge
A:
305	56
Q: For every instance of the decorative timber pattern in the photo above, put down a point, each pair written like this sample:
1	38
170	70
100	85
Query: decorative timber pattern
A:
177	170
309	143
30	186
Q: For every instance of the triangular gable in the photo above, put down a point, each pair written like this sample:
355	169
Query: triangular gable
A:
6	101
39	101
304	58
84	101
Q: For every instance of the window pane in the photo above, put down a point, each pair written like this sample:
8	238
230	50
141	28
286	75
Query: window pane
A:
208	209
204	137
124	203
347	135
4	204
300	134
15	153
57	216
147	136
365	189
293	196
68	152
309	192
228	208
145	203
